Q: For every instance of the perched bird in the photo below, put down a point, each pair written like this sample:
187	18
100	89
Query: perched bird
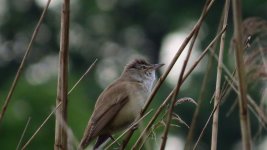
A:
120	104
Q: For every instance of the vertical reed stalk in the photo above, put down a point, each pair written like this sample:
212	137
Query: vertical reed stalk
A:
218	81
62	89
242	87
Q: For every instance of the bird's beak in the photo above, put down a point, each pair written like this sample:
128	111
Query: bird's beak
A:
156	66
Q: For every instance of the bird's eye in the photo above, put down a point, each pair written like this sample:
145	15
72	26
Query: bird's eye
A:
148	73
143	67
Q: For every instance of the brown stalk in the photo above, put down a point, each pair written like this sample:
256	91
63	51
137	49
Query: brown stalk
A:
54	110
165	102
204	53
81	78
23	133
231	109
218	81
242	87
62	90
15	81
163	77
205	126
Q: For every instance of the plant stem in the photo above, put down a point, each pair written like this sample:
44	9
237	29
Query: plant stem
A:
242	87
23	133
218	81
62	90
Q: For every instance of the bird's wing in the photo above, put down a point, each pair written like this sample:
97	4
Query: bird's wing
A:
107	106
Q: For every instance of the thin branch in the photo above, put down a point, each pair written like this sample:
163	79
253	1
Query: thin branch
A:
15	81
152	120
23	133
87	71
204	53
232	108
218	81
239	48
205	126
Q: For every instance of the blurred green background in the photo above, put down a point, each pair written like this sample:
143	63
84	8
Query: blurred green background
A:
114	32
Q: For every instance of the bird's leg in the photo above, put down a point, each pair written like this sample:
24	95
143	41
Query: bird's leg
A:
110	136
135	127
100	140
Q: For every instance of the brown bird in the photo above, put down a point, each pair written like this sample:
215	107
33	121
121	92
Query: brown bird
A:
120	104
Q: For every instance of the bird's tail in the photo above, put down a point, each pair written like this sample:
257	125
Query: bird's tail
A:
100	140
84	143
87	137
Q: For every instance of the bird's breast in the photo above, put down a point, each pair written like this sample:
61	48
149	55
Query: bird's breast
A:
131	110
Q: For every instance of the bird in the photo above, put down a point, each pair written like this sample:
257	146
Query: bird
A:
121	102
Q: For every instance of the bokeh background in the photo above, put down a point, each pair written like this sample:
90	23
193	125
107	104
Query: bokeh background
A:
114	32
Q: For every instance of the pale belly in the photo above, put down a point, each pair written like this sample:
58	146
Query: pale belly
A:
129	113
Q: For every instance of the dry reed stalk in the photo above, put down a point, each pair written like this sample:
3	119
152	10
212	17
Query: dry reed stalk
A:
23	133
206	124
242	87
62	90
15	81
218	81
